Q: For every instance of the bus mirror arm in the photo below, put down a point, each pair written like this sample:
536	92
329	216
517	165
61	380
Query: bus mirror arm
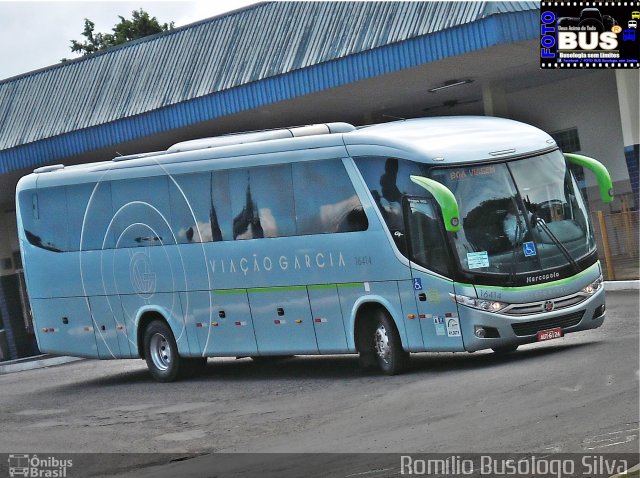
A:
602	175
445	199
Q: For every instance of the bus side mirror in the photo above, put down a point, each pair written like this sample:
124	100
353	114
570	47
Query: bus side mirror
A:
602	175
445	199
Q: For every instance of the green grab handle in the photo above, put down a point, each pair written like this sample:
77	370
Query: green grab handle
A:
602	174
445	199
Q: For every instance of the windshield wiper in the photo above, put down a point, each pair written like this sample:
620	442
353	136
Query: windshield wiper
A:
516	243
538	221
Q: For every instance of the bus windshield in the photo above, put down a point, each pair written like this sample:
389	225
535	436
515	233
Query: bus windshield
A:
518	217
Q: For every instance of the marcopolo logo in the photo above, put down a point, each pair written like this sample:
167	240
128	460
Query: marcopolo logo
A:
543	277
33	466
588	34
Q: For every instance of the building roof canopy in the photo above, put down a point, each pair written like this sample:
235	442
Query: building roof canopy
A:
259	55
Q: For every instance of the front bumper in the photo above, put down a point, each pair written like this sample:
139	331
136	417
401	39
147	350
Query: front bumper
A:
507	330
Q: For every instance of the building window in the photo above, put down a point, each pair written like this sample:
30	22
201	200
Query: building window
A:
568	140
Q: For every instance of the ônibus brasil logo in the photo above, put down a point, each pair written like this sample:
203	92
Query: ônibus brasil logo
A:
35	466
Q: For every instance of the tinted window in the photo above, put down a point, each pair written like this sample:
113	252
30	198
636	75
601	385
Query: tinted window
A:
89	208
68	218
45	218
325	200
272	201
29	213
141	212
427	243
388	179
200	207
262	202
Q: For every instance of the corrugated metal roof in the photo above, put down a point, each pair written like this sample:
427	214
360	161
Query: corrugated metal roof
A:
264	53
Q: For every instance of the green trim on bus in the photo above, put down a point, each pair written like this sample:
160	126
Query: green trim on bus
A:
346	285
537	286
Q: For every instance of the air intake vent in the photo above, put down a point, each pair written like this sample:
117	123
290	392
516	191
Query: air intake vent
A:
48	169
258	136
532	328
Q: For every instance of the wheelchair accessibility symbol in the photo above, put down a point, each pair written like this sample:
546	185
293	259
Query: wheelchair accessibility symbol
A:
529	249
417	284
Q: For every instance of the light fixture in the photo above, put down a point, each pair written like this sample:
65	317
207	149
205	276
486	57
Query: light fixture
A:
450	84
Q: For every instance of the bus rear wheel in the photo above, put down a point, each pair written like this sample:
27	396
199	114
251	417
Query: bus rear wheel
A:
387	347
161	353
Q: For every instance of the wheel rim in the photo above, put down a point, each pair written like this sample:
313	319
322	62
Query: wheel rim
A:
160	351
383	347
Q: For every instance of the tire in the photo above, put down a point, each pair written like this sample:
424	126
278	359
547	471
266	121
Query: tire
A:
507	349
161	353
387	347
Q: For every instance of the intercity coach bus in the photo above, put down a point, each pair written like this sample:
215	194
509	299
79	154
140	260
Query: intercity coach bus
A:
435	234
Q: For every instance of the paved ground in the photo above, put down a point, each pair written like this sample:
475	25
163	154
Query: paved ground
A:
577	394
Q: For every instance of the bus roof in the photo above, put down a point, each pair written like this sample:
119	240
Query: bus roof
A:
452	139
439	140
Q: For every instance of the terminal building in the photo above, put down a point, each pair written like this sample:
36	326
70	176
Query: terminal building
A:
277	64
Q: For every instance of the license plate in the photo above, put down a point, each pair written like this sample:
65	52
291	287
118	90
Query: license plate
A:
550	334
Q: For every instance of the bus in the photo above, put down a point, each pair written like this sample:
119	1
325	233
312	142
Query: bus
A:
434	234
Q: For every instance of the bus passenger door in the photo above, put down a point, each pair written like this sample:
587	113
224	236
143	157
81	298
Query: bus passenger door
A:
437	313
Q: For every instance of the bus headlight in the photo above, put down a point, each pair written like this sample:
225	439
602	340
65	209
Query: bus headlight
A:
482	304
593	287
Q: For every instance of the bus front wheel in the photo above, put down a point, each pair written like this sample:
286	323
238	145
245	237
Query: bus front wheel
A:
161	352
387	346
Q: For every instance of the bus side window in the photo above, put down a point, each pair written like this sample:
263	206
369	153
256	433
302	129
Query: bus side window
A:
141	212
200	207
89	209
262	202
388	179
325	199
45	218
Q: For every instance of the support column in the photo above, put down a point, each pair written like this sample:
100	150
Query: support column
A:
628	84
494	100
368	118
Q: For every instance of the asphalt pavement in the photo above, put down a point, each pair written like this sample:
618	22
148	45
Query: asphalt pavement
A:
578	394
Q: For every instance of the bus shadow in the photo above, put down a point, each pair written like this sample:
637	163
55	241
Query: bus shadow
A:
336	367
461	361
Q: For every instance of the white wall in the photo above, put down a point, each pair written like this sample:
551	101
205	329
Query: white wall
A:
628	83
589	103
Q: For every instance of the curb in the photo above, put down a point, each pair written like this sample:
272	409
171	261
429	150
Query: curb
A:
622	285
21	366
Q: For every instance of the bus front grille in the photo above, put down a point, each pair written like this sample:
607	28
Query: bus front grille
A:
538	307
533	327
